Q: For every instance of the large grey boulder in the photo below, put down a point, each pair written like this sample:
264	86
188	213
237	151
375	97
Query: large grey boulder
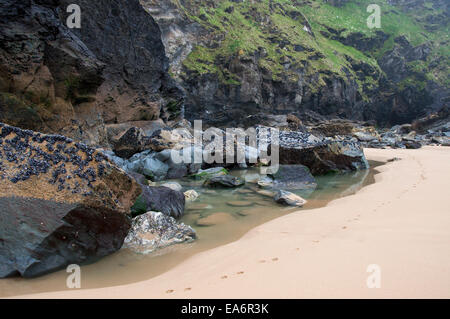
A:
154	230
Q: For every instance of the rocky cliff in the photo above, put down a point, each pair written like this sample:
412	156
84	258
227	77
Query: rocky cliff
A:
77	81
227	62
236	59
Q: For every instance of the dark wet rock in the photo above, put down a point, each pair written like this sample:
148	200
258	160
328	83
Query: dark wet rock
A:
129	143
442	140
289	199
410	144
62	203
434	122
224	181
154	230
160	199
320	155
293	177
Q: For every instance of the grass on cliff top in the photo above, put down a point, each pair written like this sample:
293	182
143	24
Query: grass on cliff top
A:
253	25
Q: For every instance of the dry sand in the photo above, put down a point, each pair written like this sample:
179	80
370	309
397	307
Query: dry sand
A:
401	223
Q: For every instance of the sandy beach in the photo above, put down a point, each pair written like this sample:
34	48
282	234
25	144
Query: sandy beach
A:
401	224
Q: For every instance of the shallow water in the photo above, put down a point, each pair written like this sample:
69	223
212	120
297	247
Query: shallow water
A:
242	209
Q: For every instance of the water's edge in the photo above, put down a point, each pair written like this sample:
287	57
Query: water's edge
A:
125	267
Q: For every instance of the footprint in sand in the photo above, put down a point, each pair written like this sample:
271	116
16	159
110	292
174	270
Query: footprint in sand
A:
315	241
262	261
169	291
187	289
344	227
275	259
240	273
224	277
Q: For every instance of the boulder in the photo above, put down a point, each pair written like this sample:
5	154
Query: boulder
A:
265	182
173	185
147	164
161	199
442	140
183	168
61	203
321	155
191	195
168	138
224	181
139	178
332	128
129	143
154	169
154	230
410	144
293	177
364	136
210	172
290	199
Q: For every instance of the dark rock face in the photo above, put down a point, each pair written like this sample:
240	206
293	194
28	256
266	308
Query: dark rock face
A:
61	202
163	199
293	177
111	70
40	236
224	181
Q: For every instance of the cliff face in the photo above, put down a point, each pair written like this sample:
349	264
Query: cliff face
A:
75	81
221	61
240	58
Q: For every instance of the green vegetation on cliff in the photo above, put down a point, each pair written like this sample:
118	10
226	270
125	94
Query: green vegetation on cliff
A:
318	38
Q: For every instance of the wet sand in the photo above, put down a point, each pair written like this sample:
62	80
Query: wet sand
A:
401	223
